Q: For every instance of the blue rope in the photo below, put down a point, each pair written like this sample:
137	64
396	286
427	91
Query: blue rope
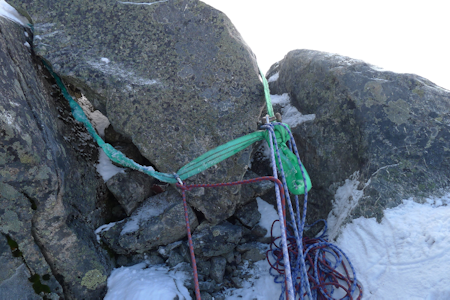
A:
317	277
289	281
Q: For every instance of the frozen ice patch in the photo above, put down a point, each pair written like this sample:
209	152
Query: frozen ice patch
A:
289	113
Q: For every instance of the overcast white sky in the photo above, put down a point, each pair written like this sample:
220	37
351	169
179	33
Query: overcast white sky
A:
398	35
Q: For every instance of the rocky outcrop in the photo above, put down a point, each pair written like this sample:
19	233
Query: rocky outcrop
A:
158	221
50	194
388	132
175	77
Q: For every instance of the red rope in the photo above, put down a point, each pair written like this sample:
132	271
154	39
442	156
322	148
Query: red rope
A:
185	188
328	275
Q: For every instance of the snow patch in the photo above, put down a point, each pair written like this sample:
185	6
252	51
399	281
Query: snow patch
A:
268	216
141	282
105	167
289	113
406	255
105	60
274	77
26	44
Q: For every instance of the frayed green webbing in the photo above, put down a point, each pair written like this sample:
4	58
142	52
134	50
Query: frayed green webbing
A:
113	154
267	95
196	166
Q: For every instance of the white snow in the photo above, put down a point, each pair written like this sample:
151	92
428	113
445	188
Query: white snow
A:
105	167
141	282
268	215
104	59
26	44
274	77
10	13
289	113
407	255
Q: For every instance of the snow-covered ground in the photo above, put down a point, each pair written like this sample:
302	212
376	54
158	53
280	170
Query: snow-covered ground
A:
406	256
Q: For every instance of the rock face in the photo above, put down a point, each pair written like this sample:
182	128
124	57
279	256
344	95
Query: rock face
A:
173	77
389	132
48	183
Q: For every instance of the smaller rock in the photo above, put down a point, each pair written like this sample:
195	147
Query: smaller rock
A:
208	286
252	251
159	221
229	257
237	282
259	231
185	253
175	258
130	189
215	240
154	259
164	251
254	255
249	214
204	267
206	296
218	265
250	191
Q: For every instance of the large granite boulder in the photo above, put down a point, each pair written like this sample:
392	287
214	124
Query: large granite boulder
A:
173	76
388	133
48	184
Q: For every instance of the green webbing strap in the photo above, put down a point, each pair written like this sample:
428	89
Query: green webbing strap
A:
219	154
113	154
267	95
196	166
